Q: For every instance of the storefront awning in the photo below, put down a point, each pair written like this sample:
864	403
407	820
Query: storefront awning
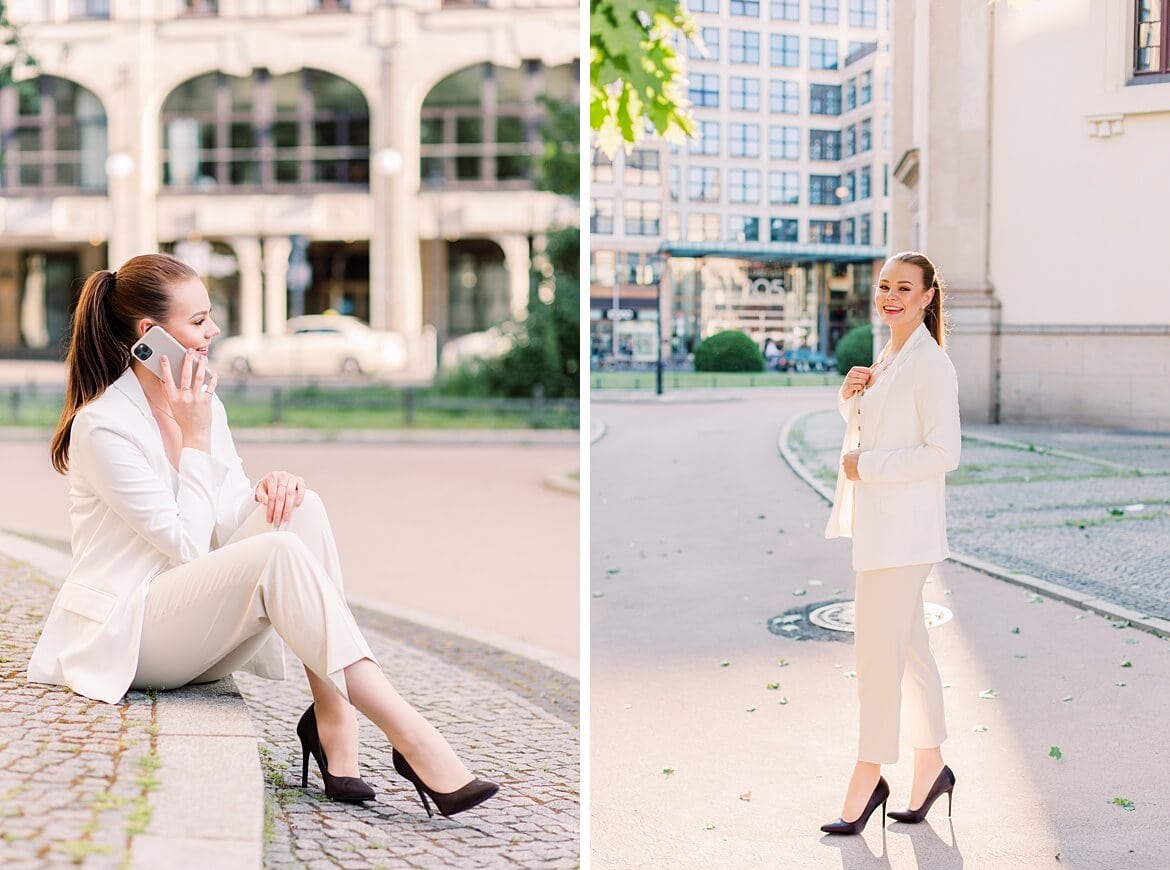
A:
787	252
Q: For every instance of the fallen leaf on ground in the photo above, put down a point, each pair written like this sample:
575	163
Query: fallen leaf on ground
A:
708	827
980	728
1127	664
783	701
1121	623
783	663
799	592
751	709
989	693
1016	630
1131	640
850	674
669	771
725	664
1035	599
746	796
1055	752
773	685
1119	684
815	583
598	594
1067	698
1124	803
1021	655
613	570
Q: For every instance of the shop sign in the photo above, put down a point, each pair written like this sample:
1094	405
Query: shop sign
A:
766	285
620	314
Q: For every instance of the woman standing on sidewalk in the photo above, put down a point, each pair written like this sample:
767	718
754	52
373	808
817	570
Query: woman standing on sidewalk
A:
901	438
182	572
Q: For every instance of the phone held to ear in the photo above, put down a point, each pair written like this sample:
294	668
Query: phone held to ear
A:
156	343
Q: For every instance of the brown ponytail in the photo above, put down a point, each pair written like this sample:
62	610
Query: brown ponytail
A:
935	317
104	326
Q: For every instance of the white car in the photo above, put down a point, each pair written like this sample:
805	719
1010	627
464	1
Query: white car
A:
315	344
475	345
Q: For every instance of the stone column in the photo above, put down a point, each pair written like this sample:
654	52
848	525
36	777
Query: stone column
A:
518	263
276	252
247	250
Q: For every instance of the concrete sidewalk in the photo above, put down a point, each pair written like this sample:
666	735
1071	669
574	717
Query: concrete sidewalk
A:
718	743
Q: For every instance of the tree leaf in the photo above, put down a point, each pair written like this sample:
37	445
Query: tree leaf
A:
1055	752
989	694
1124	803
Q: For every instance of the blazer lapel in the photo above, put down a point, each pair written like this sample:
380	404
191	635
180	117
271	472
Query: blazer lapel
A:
888	381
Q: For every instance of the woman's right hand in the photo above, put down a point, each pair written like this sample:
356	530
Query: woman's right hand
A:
190	402
855	380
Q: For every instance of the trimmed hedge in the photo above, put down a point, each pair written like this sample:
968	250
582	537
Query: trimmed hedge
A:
855	348
729	351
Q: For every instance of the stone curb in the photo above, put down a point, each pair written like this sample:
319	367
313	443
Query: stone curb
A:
597	431
564	481
1153	624
208	808
430	437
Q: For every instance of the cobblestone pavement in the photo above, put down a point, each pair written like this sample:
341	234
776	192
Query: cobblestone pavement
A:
512	720
75	774
1088	509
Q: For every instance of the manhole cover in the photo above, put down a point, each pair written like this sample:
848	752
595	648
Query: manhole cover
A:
839	615
833	620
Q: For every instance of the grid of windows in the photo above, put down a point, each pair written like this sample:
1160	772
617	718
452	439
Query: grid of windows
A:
865	88
863	13
642	168
704	90
824	144
864	182
784	97
822	189
823	11
746	8
743	228
744	46
642	217
826	232
743	140
784	188
745	93
705	140
863	232
702	184
602	168
822	53
601	216
785	10
703	5
54	136
743	185
703	227
784	230
824	99
1151	39
865	135
784	50
710	36
784	143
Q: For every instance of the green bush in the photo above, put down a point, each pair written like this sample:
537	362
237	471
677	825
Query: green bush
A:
728	351
855	348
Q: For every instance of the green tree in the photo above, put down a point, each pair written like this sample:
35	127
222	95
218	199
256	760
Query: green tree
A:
636	72
559	164
728	351
855	348
15	53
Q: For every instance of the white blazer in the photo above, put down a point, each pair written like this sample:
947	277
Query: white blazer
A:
909	438
134	517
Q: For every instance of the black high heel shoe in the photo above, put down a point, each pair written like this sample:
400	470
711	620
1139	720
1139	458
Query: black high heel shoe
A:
449	803
881	792
353	789
944	784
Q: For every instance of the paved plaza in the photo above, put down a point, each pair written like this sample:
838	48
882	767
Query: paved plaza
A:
722	743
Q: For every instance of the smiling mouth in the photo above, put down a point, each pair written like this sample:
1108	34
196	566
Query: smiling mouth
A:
889	310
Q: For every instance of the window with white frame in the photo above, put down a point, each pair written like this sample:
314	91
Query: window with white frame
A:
743	228
864	182
743	140
864	135
824	99
702	184
746	8
784	50
710	36
863	232
641	217
822	53
704	90
863	13
642	168
1151	40
785	10
822	189
784	97
784	230
783	142
743	186
744	46
705	140
601	216
703	5
823	11
783	188
824	232
865	88
745	93
54	137
703	227
602	168
824	144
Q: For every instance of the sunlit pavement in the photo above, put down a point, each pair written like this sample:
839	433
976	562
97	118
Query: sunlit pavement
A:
701	535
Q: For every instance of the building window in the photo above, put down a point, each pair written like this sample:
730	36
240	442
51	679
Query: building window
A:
849	182
481	126
784	50
865	135
784	143
602	168
886	179
822	189
746	8
824	99
885	131
784	97
705	140
704	90
824	232
54	137
743	185
785	10
702	184
703	5
850	95
863	230
328	5
850	144
703	227
89	9
641	216
199	7
601	217
745	94
822	53
864	182
823	11
742	228
824	144
744	46
863	13
710	45
847	231
743	140
1151	42
784	230
865	88
673	181
783	188
642	168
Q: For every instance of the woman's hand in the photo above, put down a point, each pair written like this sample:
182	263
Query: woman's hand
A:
855	381
280	492
190	401
849	464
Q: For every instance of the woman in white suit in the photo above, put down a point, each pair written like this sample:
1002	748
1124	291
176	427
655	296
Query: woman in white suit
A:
901	438
182	571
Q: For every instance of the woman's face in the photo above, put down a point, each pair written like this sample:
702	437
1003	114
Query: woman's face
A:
190	320
900	296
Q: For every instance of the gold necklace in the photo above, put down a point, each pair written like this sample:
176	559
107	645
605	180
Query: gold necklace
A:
161	408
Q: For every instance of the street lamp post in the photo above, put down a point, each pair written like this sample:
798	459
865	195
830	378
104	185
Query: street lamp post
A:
658	320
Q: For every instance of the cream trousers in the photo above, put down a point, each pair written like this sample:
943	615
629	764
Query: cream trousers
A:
894	659
210	616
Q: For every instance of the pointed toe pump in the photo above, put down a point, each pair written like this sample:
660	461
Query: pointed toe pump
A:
945	784
881	793
449	803
352	789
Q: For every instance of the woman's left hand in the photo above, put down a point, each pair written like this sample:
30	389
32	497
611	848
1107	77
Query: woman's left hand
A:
849	463
280	492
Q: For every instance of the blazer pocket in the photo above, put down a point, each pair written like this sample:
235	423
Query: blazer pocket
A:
904	500
87	601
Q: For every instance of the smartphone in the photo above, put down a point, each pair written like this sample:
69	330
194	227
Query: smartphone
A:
156	343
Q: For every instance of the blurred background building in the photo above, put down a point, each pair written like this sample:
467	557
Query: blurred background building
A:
368	157
1031	142
772	218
